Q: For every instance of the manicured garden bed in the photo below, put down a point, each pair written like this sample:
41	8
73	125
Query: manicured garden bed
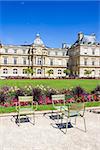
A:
43	95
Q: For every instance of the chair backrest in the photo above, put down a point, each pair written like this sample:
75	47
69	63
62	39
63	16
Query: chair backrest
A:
58	99
78	107
27	99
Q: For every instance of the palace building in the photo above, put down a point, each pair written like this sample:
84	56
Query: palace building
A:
83	55
14	60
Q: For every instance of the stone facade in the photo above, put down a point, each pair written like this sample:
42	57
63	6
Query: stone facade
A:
83	55
14	60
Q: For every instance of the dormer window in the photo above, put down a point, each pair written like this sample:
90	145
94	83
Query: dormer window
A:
6	50
15	50
93	52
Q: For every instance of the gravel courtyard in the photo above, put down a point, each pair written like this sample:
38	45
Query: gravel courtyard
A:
45	135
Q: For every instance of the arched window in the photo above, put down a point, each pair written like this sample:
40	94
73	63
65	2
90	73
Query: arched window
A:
24	71
51	71
15	71
39	71
93	73
5	71
59	71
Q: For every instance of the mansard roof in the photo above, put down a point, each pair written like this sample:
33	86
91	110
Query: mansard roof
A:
86	40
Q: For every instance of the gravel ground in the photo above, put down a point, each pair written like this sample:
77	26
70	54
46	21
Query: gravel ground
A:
45	135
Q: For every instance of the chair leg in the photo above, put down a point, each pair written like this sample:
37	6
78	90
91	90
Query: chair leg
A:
66	124
75	121
19	119
61	118
57	117
34	118
84	124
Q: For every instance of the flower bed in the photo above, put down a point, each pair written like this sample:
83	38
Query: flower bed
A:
42	94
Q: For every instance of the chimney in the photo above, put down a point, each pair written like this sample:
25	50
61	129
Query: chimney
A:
0	45
93	34
80	36
64	45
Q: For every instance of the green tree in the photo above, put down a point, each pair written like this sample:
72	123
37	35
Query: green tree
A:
67	72
49	72
29	72
87	72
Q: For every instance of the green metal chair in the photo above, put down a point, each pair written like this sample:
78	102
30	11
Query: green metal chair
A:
25	110
58	102
75	110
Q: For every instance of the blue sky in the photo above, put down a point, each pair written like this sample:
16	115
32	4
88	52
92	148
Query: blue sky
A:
56	21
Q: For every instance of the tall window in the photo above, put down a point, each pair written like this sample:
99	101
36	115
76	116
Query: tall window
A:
59	62
51	62
39	61
5	71
59	71
85	62
39	71
63	53
85	51
93	72
56	53
15	60
15	71
93	62
24	51
48	53
24	71
24	61
93	52
52	71
5	60
67	64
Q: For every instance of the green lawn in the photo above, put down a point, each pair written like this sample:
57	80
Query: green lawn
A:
44	107
87	84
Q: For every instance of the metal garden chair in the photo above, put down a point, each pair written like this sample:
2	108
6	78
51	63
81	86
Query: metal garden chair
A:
58	102
75	110
25	110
